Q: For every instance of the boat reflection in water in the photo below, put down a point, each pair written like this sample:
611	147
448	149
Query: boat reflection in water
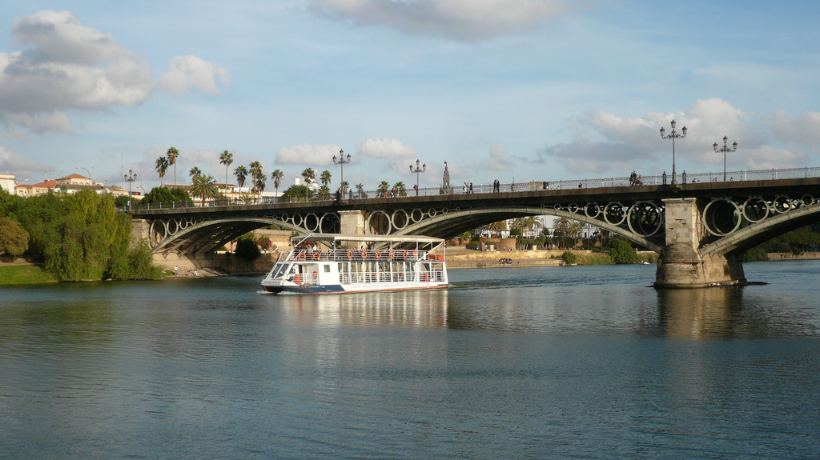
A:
424	308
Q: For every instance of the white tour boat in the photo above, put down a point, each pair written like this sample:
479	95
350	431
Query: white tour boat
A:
334	264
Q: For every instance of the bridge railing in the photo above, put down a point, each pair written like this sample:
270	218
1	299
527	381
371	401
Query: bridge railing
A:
488	189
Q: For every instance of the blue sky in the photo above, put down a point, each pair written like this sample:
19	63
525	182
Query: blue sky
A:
530	89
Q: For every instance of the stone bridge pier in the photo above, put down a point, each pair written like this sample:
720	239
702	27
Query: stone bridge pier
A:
683	265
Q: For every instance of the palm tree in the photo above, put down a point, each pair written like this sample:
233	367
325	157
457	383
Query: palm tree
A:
241	174
195	172
344	187
324	192
172	155
161	166
401	189
226	158
204	187
360	190
257	177
309	175
324	178
277	176
382	189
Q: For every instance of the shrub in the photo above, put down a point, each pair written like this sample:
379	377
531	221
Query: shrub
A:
13	237
247	249
569	258
622	252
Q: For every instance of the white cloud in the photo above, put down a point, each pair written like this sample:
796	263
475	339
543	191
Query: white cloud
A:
193	72
606	142
13	162
465	20
383	147
68	66
499	160
308	154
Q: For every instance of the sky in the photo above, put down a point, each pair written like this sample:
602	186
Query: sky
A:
500	89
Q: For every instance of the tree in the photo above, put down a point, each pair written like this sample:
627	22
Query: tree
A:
172	155
324	178
161	165
246	248
277	176
226	158
257	177
297	193
13	237
382	189
344	187
166	197
360	191
309	175
241	174
401	189
621	252
324	192
204	187
194	172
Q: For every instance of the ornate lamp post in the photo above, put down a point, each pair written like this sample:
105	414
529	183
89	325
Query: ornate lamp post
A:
725	149
673	135
341	161
130	178
418	169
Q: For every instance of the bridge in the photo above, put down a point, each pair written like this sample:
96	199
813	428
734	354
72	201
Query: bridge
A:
699	228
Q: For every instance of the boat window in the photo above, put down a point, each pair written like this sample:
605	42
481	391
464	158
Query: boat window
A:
327	268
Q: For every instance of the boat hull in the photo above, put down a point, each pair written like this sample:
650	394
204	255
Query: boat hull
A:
350	288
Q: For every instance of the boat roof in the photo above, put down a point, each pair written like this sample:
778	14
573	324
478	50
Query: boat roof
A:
371	238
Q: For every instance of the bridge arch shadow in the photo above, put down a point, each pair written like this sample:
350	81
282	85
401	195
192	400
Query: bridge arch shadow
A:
210	235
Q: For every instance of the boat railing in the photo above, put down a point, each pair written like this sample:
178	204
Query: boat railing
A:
344	255
431	276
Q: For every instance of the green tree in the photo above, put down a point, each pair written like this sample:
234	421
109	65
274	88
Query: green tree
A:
258	177
382	189
172	155
241	174
166	197
161	165
277	176
246	248
309	175
401	189
13	237
324	192
194	172
621	252
324	178
297	193
204	187
226	158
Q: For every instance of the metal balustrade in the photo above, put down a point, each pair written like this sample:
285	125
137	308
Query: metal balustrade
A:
346	255
529	186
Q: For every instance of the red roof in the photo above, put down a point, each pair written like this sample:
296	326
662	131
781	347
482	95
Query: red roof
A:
73	176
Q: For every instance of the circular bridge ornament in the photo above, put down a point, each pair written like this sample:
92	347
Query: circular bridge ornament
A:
721	217
755	209
644	218
399	219
614	213
782	203
592	210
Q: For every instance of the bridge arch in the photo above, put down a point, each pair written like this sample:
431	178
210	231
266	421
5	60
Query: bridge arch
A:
763	230
208	235
452	223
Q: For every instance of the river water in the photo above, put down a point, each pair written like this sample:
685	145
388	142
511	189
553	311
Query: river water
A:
538	362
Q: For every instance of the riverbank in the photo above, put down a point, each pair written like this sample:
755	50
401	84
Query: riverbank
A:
16	273
460	257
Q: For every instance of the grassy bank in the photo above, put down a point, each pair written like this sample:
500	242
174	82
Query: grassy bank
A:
24	274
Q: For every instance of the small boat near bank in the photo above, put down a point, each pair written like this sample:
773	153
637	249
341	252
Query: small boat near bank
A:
336	264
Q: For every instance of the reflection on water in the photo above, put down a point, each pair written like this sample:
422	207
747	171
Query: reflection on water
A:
404	308
583	361
711	312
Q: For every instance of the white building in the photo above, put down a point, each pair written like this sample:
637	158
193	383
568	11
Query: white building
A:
8	183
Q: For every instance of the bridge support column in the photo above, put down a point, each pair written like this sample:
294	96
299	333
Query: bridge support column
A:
682	265
140	229
352	223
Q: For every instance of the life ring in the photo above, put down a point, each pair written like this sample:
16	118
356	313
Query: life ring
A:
378	254
425	277
391	254
404	254
317	255
301	255
297	279
363	253
349	254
